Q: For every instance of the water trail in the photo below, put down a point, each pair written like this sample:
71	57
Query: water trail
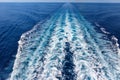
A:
66	47
95	61
68	64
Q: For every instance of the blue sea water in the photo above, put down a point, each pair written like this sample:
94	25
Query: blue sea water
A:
106	15
18	18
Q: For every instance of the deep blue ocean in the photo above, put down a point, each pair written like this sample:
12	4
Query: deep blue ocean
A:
18	18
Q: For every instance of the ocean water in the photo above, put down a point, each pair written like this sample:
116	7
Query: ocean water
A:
58	41
16	19
106	15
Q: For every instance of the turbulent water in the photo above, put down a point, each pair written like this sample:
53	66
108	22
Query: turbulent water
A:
66	47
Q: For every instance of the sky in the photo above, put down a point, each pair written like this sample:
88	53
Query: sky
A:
112	1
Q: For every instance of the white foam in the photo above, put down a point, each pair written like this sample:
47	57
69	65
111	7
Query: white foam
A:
104	31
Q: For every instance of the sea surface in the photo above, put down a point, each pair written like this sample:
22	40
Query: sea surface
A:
59	41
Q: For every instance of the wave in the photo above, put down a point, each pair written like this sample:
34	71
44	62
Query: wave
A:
66	47
112	37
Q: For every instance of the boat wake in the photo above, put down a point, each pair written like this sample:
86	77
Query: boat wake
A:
66	47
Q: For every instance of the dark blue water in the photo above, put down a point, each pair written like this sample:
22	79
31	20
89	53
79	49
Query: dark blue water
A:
17	18
106	15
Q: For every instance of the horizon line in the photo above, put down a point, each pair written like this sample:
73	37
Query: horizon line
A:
53	2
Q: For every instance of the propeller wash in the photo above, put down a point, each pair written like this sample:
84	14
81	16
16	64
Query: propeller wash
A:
66	47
